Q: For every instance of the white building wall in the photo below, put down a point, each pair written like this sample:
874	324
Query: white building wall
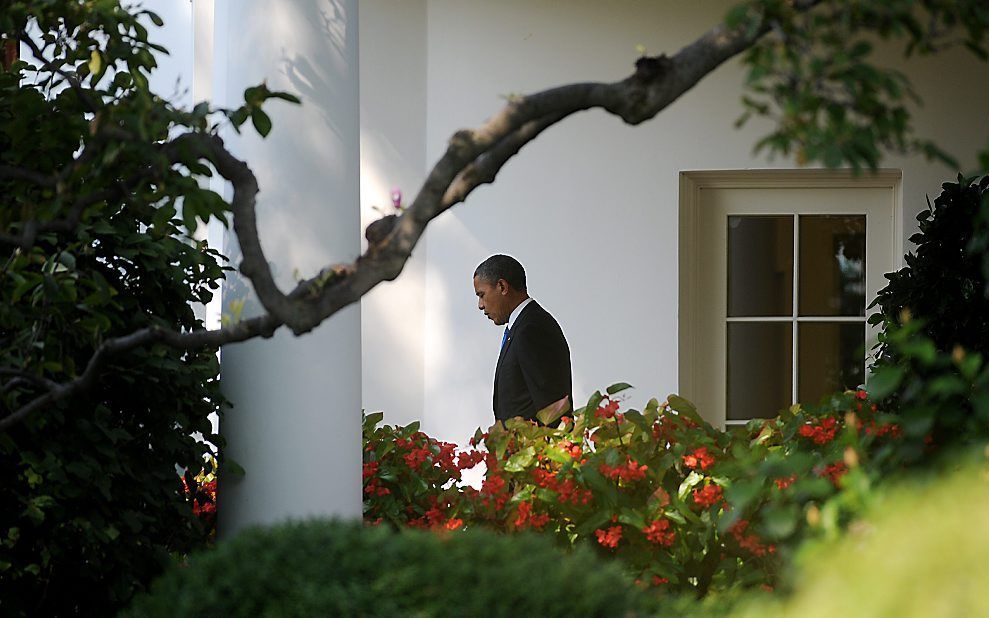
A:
393	155
590	208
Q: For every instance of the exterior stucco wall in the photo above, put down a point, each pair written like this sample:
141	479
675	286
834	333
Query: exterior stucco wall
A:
393	155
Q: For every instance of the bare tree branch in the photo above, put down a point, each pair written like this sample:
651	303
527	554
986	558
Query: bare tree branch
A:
473	157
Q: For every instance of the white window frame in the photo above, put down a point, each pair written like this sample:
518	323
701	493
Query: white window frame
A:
692	183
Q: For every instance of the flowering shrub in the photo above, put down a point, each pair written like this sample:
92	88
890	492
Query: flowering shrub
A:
682	504
409	477
202	495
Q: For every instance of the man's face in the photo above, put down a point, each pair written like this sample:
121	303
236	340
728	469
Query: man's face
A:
492	299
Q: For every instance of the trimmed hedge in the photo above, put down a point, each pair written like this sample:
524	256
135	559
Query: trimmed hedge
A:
322	567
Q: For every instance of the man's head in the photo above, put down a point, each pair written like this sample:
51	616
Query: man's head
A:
499	283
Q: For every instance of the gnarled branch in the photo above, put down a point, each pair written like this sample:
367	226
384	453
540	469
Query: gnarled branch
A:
472	158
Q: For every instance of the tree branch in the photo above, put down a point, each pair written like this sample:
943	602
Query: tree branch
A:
473	157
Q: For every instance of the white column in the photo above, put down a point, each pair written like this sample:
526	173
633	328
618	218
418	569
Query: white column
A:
295	421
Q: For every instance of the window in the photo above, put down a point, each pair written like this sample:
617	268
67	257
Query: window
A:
777	269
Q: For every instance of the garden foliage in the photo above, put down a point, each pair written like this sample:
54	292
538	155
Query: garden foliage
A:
681	504
946	279
326	568
98	218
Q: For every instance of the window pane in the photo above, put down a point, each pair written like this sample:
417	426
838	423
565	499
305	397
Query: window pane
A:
831	358
832	265
760	266
760	357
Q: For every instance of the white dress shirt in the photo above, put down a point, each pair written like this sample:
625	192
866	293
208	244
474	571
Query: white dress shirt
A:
516	312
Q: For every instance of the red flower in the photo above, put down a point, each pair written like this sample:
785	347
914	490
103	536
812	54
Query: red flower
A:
538	521
416	457
883	429
571	449
629	471
862	395
708	496
699	458
834	472
785	481
526	517
493	491
454	524
657	580
822	432
607	410
749	542
435	516
610	537
469	459
659	532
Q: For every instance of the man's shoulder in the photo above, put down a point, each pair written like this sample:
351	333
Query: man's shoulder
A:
532	312
534	316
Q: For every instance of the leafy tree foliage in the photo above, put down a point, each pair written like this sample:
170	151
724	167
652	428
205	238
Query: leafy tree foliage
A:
830	99
946	280
90	502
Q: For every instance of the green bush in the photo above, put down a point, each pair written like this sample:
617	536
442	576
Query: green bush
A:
934	313
946	282
324	567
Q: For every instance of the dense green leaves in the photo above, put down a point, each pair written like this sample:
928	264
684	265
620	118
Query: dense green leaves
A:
815	74
945	281
97	220
321	568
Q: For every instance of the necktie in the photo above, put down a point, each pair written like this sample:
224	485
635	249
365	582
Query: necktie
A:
504	338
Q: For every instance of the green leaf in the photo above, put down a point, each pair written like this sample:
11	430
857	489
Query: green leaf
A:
554	411
372	419
593	402
632	518
285	96
676	516
261	122
619	387
595	521
742	493
556	454
780	522
693	479
603	488
884	381
521	460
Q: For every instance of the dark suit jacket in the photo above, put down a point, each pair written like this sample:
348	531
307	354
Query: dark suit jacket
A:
533	367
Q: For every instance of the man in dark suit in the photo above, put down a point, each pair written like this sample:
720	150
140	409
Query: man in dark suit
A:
533	369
